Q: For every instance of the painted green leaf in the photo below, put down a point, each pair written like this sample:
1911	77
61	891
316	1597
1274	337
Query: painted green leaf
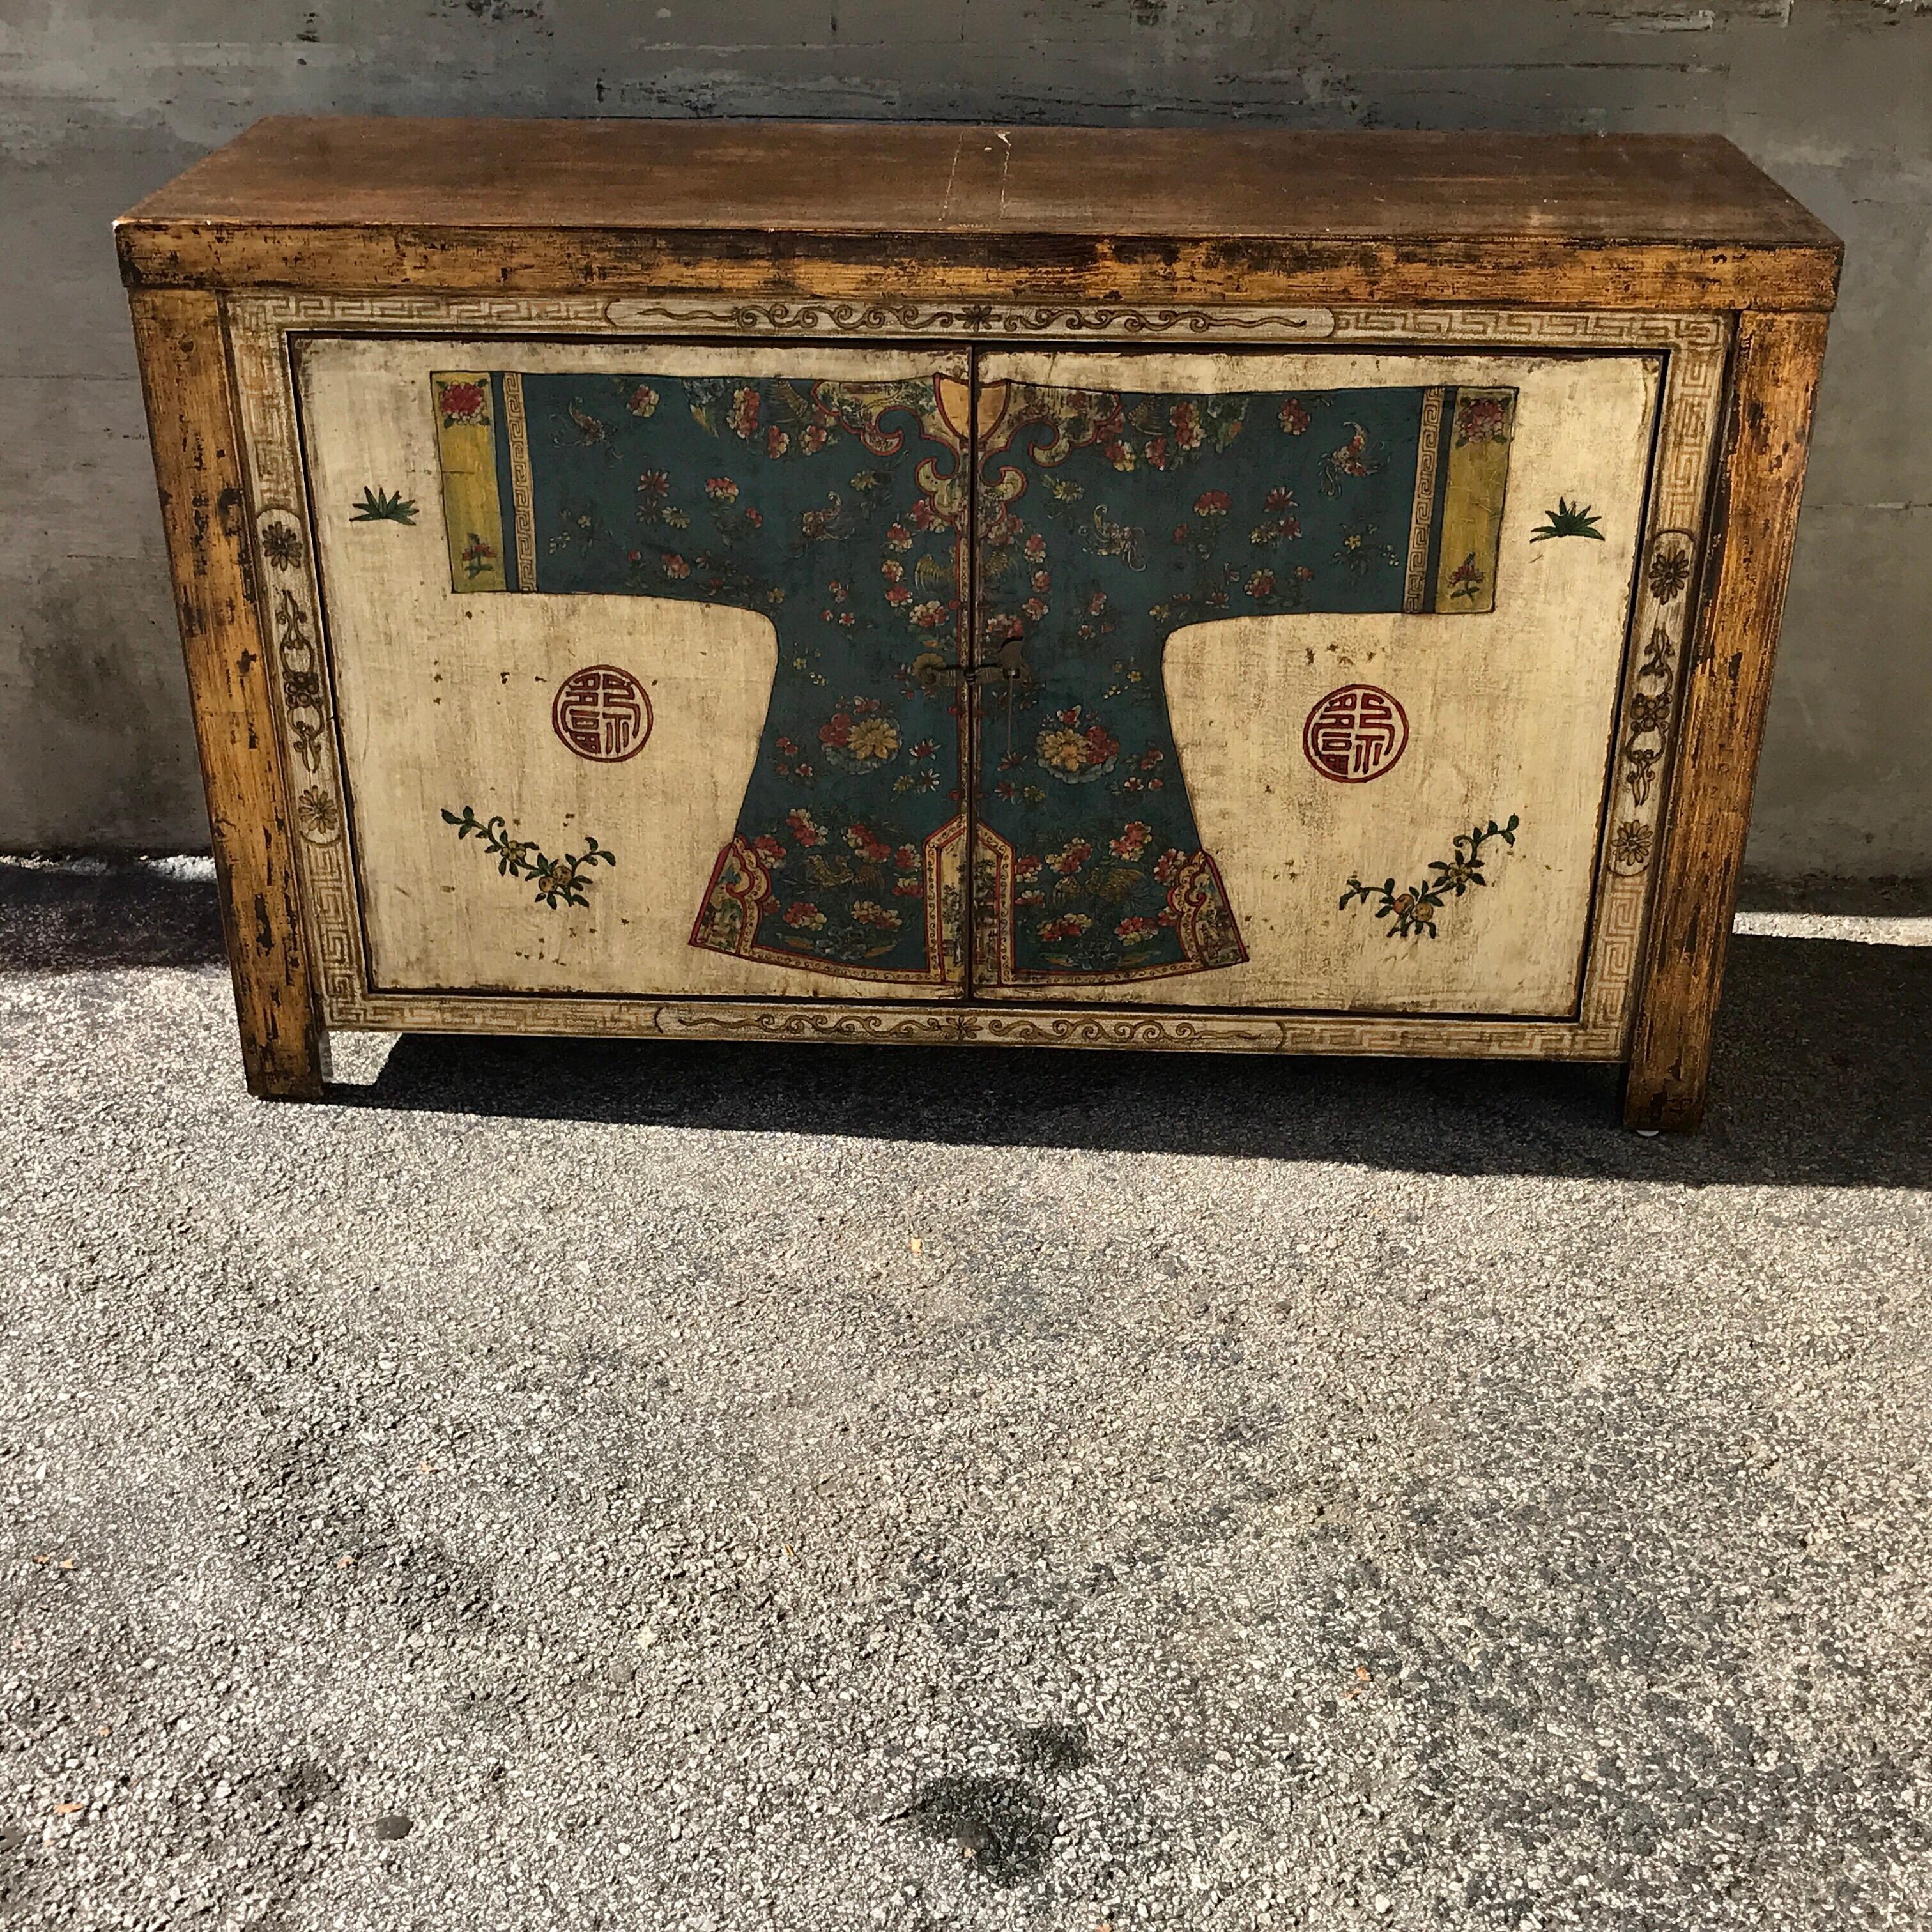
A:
1568	519
384	506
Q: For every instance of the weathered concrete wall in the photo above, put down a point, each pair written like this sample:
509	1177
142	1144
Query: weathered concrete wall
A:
101	99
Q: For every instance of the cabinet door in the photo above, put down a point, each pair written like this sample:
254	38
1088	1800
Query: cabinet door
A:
623	638
1319	661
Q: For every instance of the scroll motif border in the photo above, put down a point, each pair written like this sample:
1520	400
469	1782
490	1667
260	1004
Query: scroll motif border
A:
258	325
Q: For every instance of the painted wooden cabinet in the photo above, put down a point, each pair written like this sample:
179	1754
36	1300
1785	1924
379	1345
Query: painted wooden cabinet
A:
763	592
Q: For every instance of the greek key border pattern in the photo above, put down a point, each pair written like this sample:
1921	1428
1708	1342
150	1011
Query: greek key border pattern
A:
1428	451
259	323
1539	328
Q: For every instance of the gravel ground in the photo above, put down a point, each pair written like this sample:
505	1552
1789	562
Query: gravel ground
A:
686	1487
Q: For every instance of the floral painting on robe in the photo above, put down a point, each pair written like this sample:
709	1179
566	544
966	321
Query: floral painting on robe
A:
865	520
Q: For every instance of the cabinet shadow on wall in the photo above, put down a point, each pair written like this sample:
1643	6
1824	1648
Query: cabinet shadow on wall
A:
1822	1076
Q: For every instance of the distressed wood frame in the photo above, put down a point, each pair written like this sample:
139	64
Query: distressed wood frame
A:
232	673
1760	477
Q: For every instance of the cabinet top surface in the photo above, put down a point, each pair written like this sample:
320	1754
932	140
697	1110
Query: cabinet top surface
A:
1022	197
898	178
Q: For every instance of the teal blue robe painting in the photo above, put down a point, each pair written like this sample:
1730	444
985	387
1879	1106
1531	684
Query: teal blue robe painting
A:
1074	531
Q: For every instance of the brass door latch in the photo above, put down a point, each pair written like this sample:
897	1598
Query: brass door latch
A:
932	668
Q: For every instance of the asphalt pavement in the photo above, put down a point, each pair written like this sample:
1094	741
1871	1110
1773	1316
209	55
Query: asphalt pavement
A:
674	1486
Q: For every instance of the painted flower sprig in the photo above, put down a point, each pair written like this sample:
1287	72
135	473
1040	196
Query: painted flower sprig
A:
1414	909
557	880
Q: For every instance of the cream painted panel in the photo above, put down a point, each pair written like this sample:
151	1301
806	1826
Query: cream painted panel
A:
1512	711
444	700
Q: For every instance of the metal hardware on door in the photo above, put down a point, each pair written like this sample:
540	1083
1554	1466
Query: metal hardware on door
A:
931	670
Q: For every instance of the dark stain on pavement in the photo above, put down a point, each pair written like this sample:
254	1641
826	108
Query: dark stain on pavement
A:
1000	1825
1056	1749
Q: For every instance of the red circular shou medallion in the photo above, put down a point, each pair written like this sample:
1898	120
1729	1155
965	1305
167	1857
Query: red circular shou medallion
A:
602	712
1355	733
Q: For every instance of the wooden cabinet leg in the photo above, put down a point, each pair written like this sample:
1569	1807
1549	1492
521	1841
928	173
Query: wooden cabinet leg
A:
197	462
1753	520
284	1049
1652	1103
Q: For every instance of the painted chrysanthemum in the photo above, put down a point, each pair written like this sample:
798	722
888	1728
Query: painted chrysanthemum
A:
1630	844
1670	572
316	813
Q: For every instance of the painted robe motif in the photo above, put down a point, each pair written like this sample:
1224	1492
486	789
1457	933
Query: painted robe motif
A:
837	511
1108	521
1103	522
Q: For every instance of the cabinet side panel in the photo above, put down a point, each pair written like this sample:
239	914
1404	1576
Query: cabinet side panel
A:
197	466
1760	480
